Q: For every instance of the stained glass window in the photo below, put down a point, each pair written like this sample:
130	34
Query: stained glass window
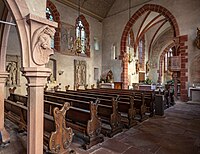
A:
80	33
49	16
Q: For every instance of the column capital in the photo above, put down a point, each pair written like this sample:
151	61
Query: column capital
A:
3	76
36	76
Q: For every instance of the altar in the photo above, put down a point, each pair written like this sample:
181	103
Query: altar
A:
106	85
194	94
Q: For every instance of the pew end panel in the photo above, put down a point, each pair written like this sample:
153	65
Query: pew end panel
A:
61	139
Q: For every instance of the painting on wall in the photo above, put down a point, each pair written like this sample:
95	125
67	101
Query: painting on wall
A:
67	38
79	73
13	64
174	63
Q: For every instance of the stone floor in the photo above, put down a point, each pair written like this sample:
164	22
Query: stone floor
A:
177	132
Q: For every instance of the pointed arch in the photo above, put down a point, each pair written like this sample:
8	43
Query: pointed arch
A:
146	8
56	17
87	33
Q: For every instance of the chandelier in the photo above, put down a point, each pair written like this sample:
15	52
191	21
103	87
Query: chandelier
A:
78	45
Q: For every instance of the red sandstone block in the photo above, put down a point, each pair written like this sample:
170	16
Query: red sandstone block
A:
183	38
183	47
184	79
183	65
184	60
184	70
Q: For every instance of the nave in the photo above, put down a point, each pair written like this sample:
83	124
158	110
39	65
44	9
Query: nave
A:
177	132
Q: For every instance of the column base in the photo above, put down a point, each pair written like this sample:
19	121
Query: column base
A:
4	138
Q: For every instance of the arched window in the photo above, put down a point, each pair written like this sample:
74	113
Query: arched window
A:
80	34
141	53
49	16
53	15
83	32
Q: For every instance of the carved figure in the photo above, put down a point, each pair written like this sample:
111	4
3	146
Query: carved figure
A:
147	67
137	66
51	78
42	45
197	40
109	77
12	70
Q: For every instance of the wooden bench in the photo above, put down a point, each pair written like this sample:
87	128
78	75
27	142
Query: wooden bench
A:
125	106
85	123
149	96
57	138
107	109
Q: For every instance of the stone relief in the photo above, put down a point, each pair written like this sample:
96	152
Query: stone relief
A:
67	38
69	42
52	64
13	68
41	46
79	73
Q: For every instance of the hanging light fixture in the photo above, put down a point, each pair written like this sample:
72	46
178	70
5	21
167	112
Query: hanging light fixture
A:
130	57
78	38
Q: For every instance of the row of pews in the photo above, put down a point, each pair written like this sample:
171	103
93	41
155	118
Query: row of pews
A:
89	113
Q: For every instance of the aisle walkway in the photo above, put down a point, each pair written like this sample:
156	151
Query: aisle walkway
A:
177	132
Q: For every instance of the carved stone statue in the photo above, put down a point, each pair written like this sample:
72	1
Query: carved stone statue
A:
51	79
147	67
197	40
42	45
137	66
12	70
109	77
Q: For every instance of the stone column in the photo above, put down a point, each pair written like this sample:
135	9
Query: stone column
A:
36	77
125	71
5	137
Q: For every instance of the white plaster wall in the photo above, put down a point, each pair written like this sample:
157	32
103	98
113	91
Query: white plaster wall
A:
186	12
14	48
66	63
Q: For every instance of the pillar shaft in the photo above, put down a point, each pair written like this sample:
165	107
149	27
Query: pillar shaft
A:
36	80
3	133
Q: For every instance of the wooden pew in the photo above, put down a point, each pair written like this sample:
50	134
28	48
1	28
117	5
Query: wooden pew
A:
57	138
107	109
86	124
149	96
125	106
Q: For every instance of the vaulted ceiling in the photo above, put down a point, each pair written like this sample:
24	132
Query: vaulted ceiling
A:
95	8
99	9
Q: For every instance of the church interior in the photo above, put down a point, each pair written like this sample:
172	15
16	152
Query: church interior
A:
99	76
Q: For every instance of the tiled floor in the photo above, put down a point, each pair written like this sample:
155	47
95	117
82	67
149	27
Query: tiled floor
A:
177	132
